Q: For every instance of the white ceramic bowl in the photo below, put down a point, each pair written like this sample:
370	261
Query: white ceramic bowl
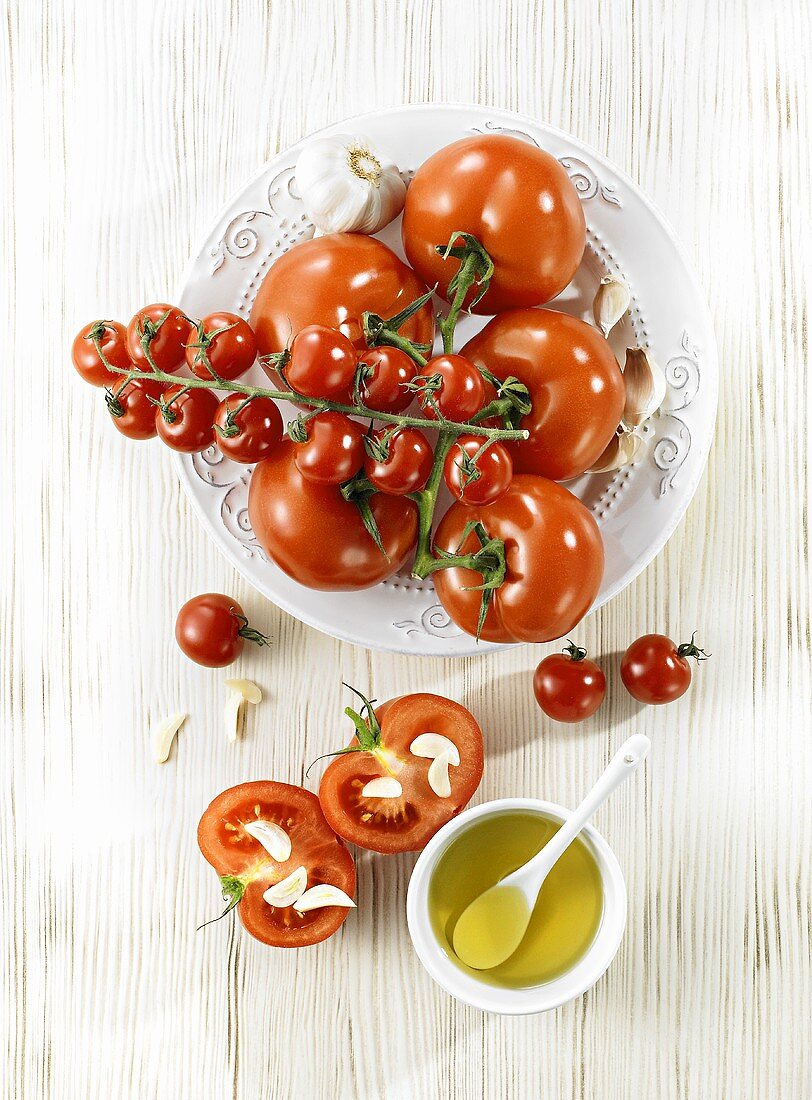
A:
537	998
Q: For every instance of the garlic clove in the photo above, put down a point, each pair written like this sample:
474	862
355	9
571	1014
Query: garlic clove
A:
164	734
438	777
247	688
272	837
288	891
431	745
240	692
621	451
385	786
611	302
348	185
317	897
646	387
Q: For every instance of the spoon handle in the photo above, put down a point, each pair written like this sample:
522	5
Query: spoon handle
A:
625	761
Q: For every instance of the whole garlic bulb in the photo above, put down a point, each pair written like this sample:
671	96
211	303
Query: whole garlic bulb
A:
348	186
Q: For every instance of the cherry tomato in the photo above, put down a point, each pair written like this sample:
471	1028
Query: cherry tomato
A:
554	563
166	331
575	384
334	450
247	869
113	340
385	374
223	343
185	419
333	280
212	629
518	202
568	686
131	405
454	385
655	670
322	364
400	461
404	822
474	476
316	536
247	430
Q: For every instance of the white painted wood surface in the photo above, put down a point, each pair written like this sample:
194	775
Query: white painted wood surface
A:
125	127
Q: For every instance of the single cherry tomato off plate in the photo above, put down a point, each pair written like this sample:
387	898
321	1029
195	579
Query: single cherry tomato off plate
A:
626	237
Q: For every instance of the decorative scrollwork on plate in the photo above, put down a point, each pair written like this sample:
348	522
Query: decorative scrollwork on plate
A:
434	621
586	182
671	449
285	218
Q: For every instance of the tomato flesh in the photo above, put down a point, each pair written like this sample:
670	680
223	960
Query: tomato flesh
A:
232	851
406	823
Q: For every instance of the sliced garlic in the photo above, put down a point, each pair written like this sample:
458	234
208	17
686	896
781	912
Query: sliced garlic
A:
347	185
622	450
646	387
164	734
317	897
611	302
438	775
289	890
272	837
240	692
431	745
385	786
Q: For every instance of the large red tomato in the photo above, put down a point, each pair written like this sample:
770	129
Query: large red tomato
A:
575	383
316	536
332	281
515	199
554	558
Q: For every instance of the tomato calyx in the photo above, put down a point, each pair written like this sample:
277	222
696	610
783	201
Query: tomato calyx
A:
248	632
367	729
203	342
489	561
233	889
575	652
379	330
475	271
169	414
359	491
230	428
147	331
689	649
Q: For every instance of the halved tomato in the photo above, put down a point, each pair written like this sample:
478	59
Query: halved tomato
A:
382	749
247	869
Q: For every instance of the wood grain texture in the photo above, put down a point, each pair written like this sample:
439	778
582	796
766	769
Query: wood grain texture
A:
125	128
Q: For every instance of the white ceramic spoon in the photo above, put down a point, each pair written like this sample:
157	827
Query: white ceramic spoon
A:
491	928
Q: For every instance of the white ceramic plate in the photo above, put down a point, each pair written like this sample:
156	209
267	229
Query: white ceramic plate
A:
637	508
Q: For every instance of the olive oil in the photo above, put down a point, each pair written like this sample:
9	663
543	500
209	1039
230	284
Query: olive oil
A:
567	913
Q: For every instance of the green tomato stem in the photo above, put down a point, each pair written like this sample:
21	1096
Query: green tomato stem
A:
317	403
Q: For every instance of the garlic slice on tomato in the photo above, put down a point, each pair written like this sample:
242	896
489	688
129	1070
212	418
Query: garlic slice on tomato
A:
240	693
288	891
272	837
164	734
385	786
347	185
318	897
441	751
